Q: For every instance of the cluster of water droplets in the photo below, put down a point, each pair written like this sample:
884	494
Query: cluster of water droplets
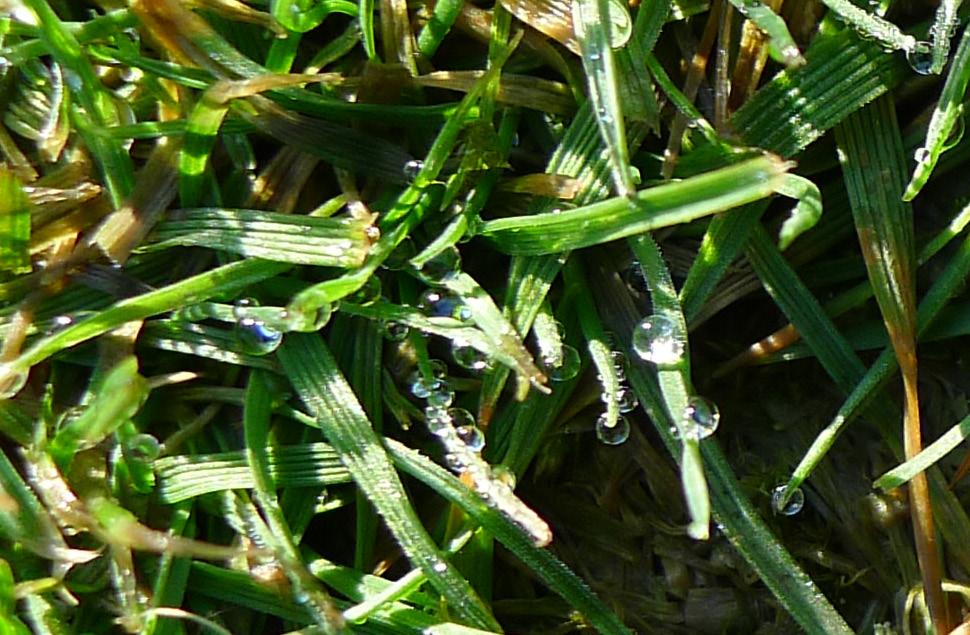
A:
463	442
626	402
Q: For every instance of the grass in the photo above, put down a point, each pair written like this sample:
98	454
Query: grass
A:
391	317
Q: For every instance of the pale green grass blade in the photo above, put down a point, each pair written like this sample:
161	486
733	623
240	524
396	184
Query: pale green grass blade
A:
781	45
870	25
947	442
944	23
315	376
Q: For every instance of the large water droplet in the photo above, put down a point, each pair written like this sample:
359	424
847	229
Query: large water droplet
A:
920	58
472	437
794	504
395	331
11	381
657	339
568	368
256	338
422	386
439	303
144	447
701	418
441	396
412	169
309	320
612	435
467	356
438	421
626	401
443	266
461	417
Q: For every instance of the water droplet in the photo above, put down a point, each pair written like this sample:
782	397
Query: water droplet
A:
395	331
594	57
922	156
241	309
657	339
467	356
612	435
626	400
461	417
701	418
144	446
504	475
412	169
472	437
440	567
920	58
307	321
439	421
443	266
60	323
422	386
794	504
455	463
442	396
11	381
568	368
256	338
438	303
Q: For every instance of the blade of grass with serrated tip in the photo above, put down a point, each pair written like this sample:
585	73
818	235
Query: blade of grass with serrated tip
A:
947	442
675	385
947	114
226	279
650	209
871	154
736	515
304	240
315	376
541	561
186	476
592	27
14	224
781	45
256	426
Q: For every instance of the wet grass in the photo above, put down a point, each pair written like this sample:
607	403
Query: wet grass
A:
445	318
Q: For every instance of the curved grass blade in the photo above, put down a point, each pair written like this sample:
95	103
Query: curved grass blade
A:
317	379
947	114
650	209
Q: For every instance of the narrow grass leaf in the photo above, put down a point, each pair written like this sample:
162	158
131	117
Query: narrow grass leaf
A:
945	22
15	209
315	376
947	114
805	214
872	26
650	209
947	442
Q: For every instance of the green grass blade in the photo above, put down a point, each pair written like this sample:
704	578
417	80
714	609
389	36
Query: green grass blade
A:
904	472
315	376
14	224
781	45
947	114
653	208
